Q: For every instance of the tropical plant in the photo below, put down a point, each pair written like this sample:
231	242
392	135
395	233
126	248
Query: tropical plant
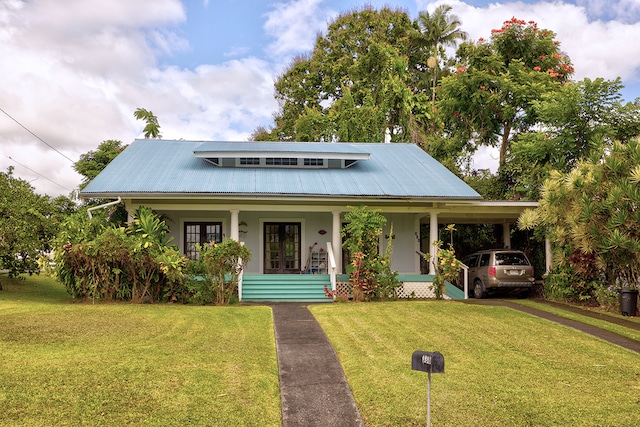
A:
370	272
447	267
591	213
435	31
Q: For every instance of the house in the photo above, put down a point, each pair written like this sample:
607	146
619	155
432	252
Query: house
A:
286	201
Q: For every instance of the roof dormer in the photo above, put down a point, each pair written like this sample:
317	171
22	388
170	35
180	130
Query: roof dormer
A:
306	155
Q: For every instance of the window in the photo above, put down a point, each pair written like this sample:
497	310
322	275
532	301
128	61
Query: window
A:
511	258
281	161
314	162
484	260
249	160
200	233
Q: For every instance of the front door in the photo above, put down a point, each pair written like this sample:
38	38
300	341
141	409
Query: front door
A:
282	247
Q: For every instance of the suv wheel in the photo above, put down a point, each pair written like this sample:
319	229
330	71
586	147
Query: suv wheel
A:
478	290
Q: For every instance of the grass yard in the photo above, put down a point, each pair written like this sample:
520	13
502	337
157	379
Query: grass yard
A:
65	363
634	334
502	367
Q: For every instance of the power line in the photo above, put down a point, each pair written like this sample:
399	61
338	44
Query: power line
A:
40	175
42	140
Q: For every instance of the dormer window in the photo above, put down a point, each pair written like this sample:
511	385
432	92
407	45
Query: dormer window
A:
244	161
314	162
305	155
281	161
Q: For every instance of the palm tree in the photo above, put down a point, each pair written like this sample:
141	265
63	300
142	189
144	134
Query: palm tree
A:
437	30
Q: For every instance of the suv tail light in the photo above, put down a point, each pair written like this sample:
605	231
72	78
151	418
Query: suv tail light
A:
492	271
533	273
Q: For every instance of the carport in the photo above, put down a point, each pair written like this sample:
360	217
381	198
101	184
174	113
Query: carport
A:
502	212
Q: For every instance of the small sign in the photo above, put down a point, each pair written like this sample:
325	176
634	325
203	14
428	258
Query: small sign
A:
426	361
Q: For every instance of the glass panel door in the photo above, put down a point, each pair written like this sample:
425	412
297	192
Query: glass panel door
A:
281	248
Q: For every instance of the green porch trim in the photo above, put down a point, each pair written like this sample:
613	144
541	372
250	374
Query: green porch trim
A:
310	287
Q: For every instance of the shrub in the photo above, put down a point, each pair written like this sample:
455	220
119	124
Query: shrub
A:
99	262
223	263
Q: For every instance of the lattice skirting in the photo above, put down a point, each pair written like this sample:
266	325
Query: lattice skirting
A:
409	290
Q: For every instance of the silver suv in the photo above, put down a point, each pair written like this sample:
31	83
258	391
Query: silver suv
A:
498	269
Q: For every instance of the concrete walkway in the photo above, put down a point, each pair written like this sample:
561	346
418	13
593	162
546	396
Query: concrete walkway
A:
313	388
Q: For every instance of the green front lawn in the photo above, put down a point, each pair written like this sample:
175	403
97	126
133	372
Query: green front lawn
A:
502	367
65	363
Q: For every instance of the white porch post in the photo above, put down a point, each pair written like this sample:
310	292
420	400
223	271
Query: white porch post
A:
506	235
433	237
417	248
548	257
336	240
234	228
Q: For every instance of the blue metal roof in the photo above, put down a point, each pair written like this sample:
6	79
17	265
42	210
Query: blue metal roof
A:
166	167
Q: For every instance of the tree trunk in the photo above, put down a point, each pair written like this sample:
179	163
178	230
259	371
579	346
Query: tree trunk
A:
504	146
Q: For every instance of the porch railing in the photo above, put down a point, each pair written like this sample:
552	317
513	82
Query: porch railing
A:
240	276
332	268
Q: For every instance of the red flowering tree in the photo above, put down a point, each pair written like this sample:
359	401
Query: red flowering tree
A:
490	99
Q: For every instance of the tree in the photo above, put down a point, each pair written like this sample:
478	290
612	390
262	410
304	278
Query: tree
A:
435	31
355	86
576	121
489	100
28	222
152	128
591	216
93	162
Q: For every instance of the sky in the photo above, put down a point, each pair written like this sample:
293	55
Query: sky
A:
72	76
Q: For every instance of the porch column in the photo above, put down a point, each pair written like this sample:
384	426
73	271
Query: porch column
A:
433	237
336	240
417	248
234	228
548	257
506	235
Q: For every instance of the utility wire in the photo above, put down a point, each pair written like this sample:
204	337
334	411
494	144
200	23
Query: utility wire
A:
42	140
40	175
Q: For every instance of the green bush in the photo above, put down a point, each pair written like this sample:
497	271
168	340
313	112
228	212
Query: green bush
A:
98	262
223	263
564	283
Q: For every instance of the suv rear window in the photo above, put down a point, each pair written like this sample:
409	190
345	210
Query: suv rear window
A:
511	258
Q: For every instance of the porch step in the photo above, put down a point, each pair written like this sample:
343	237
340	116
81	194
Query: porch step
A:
285	287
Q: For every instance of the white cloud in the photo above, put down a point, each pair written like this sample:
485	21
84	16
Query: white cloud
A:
74	76
627	11
295	25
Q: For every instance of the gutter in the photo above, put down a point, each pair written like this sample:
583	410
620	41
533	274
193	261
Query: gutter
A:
115	202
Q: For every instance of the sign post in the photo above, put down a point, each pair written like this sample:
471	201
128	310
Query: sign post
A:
429	362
